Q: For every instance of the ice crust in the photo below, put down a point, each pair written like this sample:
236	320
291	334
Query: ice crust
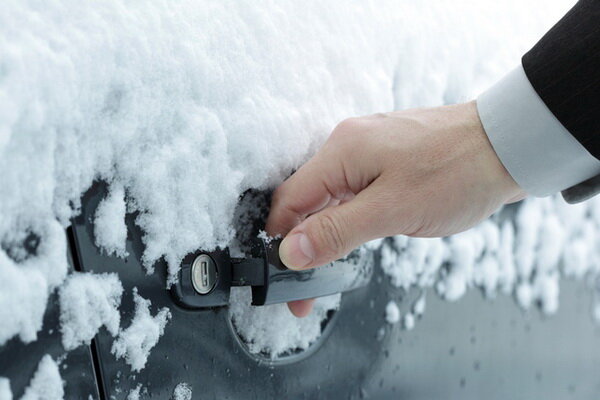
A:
135	343
181	107
46	383
88	302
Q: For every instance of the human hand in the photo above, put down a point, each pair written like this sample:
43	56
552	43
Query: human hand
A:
422	172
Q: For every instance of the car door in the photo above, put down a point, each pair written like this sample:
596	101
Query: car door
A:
461	350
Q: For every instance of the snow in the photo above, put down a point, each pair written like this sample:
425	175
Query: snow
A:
134	394
182	391
5	392
408	321
135	343
46	383
182	107
26	280
110	230
392	312
524	255
88	302
419	305
273	330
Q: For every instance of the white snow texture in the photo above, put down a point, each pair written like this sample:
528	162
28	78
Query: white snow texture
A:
88	302
392	312
134	343
547	239
273	330
5	392
46	383
182	391
134	394
25	282
182	106
110	231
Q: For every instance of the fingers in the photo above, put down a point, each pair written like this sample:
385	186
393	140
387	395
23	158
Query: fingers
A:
333	232
317	184
301	308
322	183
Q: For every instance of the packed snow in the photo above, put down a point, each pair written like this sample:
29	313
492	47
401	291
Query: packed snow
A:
135	343
272	330
46	383
88	302
5	392
182	391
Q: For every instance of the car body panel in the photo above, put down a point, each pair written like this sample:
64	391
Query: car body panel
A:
468	349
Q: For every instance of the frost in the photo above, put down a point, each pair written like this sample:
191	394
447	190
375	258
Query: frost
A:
5	392
134	343
182	391
88	302
46	383
273	330
110	230
392	312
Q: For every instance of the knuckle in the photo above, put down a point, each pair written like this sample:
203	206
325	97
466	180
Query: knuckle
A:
330	234
347	126
277	196
380	115
350	133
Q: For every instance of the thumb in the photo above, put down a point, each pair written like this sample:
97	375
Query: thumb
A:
332	233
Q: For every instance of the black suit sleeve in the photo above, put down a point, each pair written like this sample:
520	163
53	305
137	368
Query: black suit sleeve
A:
564	69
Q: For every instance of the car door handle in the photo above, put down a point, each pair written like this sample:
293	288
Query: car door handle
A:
205	278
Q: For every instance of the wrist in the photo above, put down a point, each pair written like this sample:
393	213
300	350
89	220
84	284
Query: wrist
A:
493	171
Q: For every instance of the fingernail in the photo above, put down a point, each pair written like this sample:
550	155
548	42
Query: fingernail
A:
296	251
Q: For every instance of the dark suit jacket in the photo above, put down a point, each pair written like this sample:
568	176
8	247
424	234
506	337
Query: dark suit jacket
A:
564	69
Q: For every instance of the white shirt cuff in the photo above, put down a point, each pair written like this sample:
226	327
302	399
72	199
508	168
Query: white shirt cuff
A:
536	149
